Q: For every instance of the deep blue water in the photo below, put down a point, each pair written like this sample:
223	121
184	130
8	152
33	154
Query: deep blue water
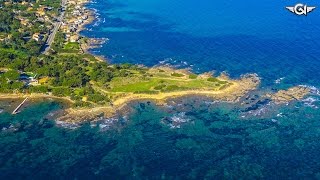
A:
190	138
233	36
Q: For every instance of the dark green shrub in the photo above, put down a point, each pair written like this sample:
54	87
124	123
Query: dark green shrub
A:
177	75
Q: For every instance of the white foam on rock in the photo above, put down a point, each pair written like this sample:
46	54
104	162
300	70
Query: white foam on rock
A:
177	120
310	102
67	125
278	81
106	124
313	90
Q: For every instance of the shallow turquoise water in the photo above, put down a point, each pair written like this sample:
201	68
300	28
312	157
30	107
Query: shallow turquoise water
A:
210	141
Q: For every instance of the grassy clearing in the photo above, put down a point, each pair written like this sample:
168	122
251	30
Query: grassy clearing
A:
121	85
72	46
163	81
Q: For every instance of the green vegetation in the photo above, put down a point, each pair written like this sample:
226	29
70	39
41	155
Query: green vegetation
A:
177	74
60	46
212	79
193	76
72	46
160	87
11	75
58	74
58	43
160	82
39	89
19	22
67	73
9	81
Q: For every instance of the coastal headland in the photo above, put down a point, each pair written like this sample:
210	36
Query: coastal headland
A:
93	88
229	91
156	84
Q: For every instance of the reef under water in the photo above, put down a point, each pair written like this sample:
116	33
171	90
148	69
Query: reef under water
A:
186	138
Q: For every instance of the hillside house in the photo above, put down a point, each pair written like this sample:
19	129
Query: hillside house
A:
38	37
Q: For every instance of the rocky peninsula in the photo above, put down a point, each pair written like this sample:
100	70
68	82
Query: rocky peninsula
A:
94	89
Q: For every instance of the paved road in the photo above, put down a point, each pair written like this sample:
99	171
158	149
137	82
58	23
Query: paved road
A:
55	29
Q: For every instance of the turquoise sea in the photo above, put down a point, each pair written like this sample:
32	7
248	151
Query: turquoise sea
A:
194	137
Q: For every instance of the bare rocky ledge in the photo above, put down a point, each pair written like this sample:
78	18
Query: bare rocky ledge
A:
291	94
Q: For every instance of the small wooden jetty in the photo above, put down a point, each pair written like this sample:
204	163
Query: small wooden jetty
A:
16	111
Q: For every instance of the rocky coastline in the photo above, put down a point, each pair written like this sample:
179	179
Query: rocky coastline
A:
233	93
291	94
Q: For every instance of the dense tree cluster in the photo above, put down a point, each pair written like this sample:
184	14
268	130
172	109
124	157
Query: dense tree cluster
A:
17	37
6	21
9	81
73	75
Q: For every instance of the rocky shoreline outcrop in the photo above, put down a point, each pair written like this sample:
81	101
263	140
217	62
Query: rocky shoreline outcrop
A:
291	94
232	94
